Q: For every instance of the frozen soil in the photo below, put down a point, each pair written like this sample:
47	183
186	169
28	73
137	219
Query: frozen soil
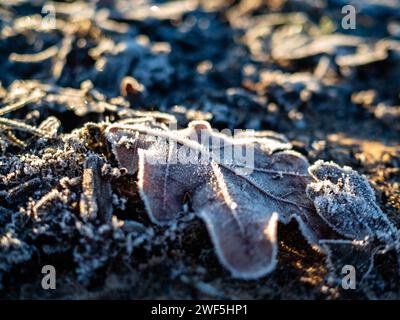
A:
238	64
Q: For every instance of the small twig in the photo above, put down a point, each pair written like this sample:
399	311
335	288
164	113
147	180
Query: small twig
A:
18	125
18	105
36	57
14	140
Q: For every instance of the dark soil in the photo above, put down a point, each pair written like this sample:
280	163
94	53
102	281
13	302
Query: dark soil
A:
264	65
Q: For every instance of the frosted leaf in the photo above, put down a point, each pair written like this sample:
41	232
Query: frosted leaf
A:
346	202
240	210
125	144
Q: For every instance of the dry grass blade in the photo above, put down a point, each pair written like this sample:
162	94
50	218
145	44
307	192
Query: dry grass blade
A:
20	104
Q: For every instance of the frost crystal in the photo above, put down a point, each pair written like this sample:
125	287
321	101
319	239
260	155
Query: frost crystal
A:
346	202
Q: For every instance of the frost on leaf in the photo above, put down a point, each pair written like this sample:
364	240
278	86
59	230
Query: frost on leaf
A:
346	202
240	207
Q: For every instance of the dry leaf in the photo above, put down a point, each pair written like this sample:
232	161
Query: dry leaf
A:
346	202
240	205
